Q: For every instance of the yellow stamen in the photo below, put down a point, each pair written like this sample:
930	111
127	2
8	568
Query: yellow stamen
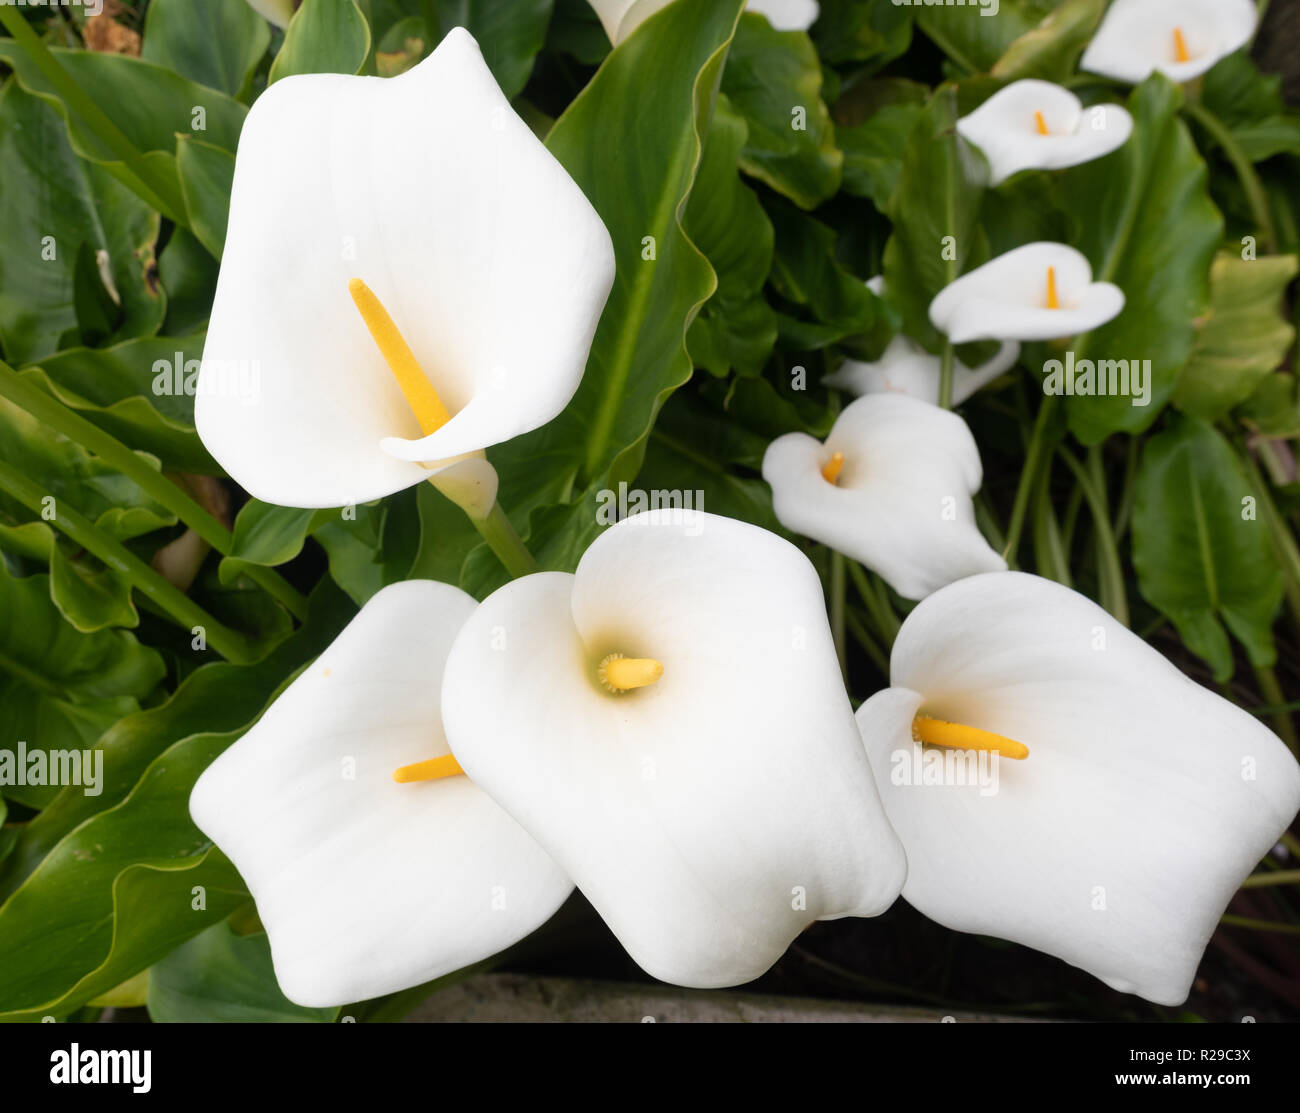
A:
957	736
1043	129
1053	302
428	408
619	673
432	770
831	472
1181	53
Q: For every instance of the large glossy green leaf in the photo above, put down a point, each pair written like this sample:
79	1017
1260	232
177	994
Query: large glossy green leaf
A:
124	887
53	204
509	32
324	36
1143	217
774	81
976	35
1245	338
61	689
874	151
736	328
636	168
935	207
217	43
870	34
219	976
1202	554
1250	105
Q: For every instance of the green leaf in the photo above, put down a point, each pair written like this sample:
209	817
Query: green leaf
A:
1250	104
269	535
222	977
189	275
217	43
509	32
130	391
774	81
324	36
61	689
88	594
207	174
96	312
1144	219
977	34
54	204
1052	49
934	209
1274	409
639	354
1202	556
874	152
1245	338
130	883
736	328
869	34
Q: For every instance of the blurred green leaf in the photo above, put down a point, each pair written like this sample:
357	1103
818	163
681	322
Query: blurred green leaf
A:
1144	219
874	151
217	43
1201	554
509	32
1051	50
324	36
977	34
774	81
1245	338
870	34
222	977
207	174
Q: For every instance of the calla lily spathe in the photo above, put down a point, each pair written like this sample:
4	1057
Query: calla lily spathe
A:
1143	803
1180	38
621	17
367	886
907	368
891	488
706	797
1035	125
420	207
1041	291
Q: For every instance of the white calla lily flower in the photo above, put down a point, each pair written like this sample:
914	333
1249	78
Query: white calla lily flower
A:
366	885
410	275
891	488
907	368
669	722
621	17
279	12
1035	125
1041	291
1139	803
1180	38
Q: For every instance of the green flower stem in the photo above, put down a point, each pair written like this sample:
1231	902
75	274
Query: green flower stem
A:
1049	547
837	610
505	542
151	186
118	557
1245	170
157	486
946	367
1281	877
1033	461
1291	843
1271	690
869	644
877	604
1110	572
1260	925
1283	542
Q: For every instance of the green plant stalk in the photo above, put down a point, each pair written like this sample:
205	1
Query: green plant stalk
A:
505	542
1110	572
152	188
946	368
1271	690
1245	171
1260	925
117	556
1049	549
157	486
1283	543
1033	460
1263	880
837	610
863	637
882	614
1291	843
